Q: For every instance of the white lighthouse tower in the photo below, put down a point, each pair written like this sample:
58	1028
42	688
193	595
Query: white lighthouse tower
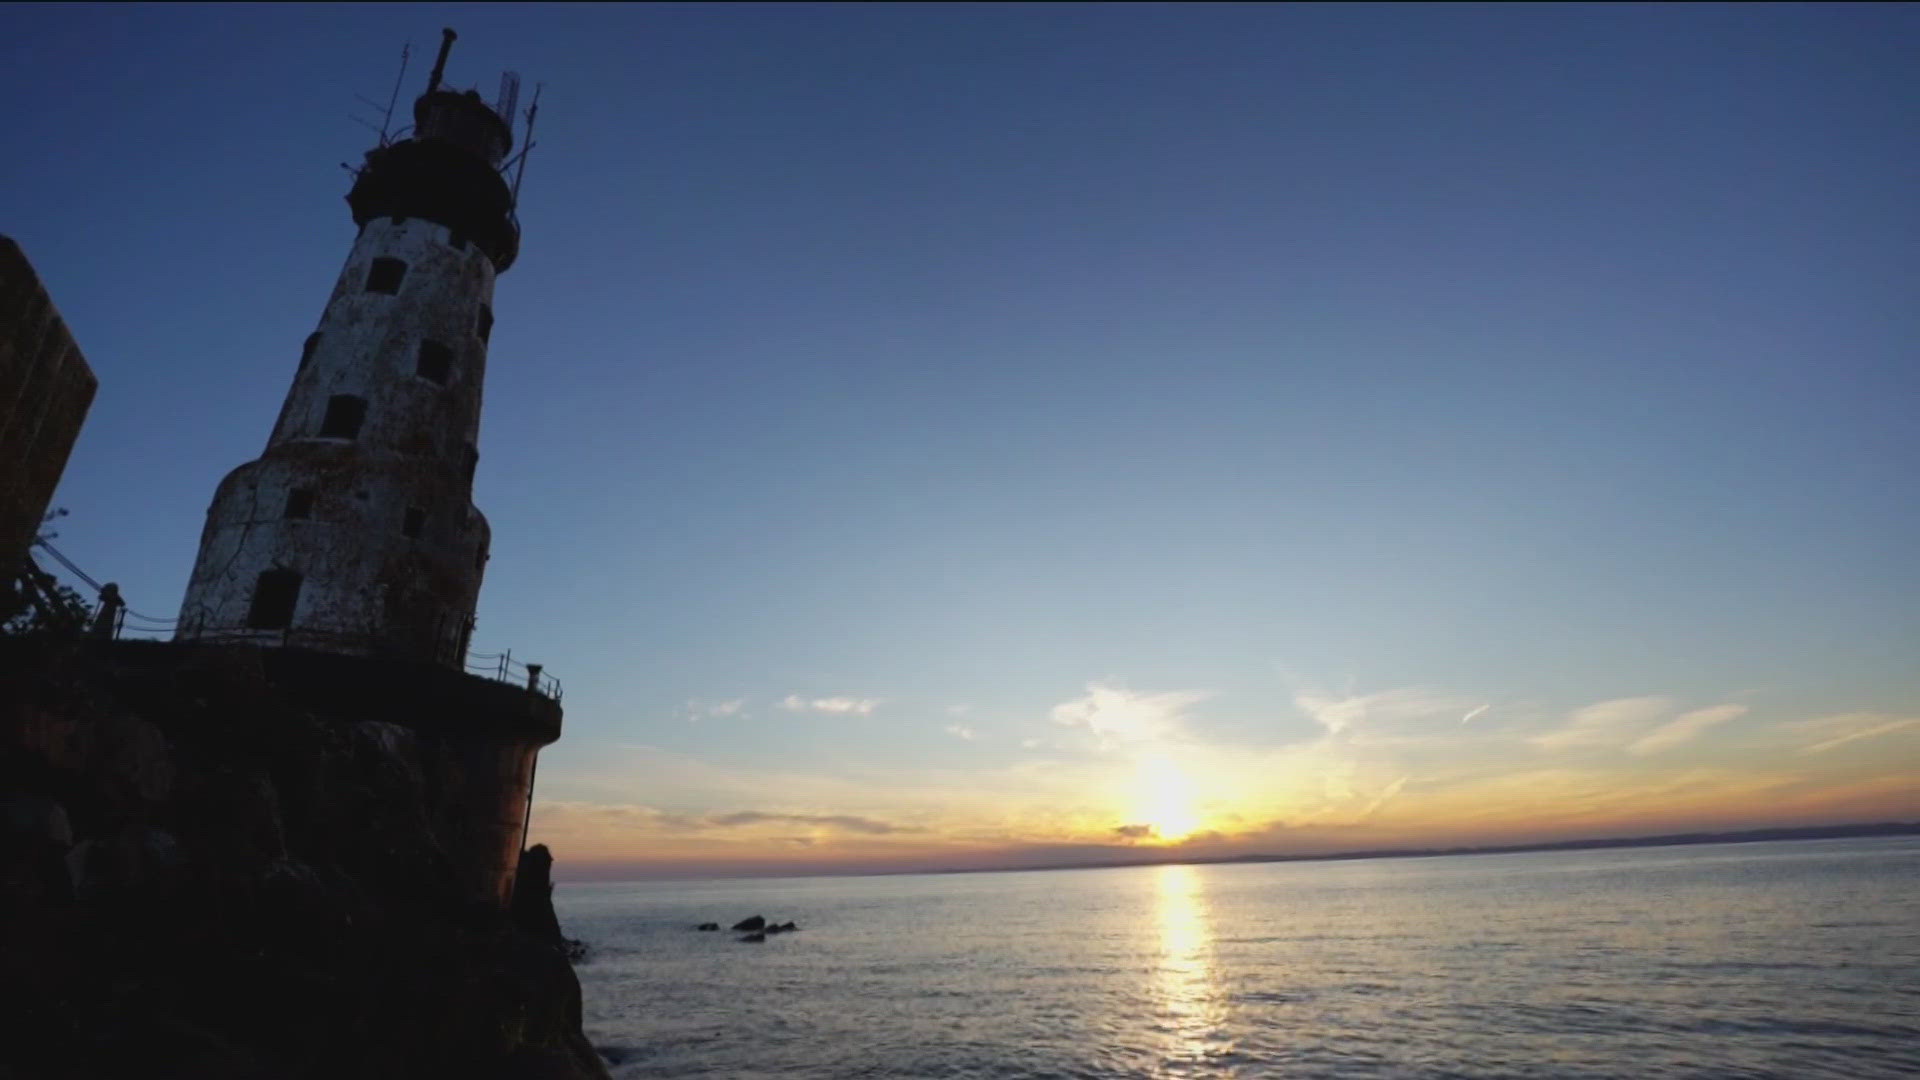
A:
355	531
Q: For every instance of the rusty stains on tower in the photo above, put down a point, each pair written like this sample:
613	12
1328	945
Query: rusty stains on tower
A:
355	531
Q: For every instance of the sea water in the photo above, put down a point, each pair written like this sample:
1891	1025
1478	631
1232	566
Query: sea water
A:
1792	960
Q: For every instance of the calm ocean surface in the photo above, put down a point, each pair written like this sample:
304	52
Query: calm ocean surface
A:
1778	960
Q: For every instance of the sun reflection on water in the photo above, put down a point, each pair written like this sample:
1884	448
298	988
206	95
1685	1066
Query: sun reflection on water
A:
1184	979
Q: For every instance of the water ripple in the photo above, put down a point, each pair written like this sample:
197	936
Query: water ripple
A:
1682	964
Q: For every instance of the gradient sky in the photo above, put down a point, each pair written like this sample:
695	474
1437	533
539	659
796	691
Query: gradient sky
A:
950	436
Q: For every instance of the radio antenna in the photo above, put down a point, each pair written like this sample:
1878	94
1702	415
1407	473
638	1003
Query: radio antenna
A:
387	120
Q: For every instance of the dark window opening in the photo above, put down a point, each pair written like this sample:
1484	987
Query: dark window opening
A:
485	323
274	596
306	351
300	503
416	521
384	276
434	363
345	414
473	461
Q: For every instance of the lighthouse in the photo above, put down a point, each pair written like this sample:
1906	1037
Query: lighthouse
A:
355	531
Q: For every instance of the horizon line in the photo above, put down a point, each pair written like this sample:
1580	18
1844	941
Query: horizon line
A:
1740	836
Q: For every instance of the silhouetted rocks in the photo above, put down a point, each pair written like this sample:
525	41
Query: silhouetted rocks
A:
781	928
708	926
755	923
533	895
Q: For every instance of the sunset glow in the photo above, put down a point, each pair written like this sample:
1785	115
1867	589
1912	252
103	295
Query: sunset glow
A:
936	438
1166	799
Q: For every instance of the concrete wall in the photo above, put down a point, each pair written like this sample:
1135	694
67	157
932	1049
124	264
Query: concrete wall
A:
367	587
45	390
230	862
465	745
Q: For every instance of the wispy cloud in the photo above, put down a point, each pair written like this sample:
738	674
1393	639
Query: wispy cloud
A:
1342	714
839	705
1837	731
1475	714
1118	715
1684	728
712	710
844	822
1608	723
961	731
1386	795
631	819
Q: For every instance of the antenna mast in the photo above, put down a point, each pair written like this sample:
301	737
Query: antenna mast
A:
387	120
509	99
533	110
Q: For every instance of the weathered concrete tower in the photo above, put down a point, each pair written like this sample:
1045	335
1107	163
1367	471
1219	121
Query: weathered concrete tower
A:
355	531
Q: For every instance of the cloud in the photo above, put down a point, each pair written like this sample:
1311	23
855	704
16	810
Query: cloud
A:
1386	795
961	731
1837	731
843	822
1118	715
1684	728
1340	715
710	710
1135	832
838	705
1475	713
1609	723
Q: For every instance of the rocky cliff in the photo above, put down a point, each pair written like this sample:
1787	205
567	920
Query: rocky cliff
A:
213	870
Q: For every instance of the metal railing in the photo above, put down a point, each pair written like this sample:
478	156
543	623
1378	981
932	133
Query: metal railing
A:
113	618
505	668
499	667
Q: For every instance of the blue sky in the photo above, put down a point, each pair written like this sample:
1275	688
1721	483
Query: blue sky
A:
944	363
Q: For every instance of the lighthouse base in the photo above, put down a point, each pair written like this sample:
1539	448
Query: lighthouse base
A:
242	862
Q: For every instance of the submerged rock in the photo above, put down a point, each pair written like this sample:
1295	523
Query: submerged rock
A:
754	938
708	926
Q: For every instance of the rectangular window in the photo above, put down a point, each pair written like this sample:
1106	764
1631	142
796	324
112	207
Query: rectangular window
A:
300	504
384	276
345	414
434	363
484	324
415	522
274	597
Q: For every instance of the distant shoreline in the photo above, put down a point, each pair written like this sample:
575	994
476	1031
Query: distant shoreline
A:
1745	836
1166	857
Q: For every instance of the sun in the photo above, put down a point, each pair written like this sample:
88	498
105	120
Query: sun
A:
1164	799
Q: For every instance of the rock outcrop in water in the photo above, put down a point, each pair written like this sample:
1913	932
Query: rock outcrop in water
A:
206	877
